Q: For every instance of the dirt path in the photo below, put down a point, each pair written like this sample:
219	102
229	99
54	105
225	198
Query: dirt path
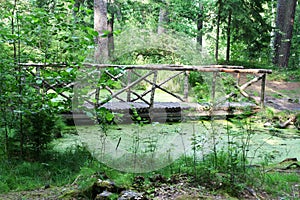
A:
279	95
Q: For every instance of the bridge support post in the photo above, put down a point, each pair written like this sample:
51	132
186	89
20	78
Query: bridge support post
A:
128	82
213	87
186	86
153	89
262	93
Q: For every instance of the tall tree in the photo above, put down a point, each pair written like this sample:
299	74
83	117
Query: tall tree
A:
163	18
110	26
219	6
200	25
284	33
228	35
101	26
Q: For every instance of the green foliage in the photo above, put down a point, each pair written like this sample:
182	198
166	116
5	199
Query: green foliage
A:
294	61
202	93
292	75
280	184
54	168
40	129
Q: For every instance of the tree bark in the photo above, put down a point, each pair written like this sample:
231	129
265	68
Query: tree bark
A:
284	24
219	4
200	25
228	35
163	18
100	25
110	27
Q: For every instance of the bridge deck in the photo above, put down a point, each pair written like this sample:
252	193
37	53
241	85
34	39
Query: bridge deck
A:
167	111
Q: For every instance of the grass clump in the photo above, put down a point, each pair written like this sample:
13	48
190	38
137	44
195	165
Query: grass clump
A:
54	168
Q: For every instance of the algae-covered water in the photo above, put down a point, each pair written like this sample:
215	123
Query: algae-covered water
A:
147	147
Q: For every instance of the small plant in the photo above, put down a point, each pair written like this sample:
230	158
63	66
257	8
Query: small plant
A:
40	128
201	91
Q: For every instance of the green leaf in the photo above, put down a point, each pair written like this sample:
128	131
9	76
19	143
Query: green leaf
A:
69	70
109	116
39	81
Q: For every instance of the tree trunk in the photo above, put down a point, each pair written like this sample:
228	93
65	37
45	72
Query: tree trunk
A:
100	25
228	35
110	26
219	4
163	18
284	33
200	25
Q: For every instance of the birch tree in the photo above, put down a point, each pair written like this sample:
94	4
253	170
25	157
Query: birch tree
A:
101	26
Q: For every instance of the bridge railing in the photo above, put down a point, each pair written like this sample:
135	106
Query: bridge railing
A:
130	76
152	70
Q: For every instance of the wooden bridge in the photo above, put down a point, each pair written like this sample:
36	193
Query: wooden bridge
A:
137	89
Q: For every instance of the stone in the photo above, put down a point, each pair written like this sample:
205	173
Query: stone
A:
131	195
105	195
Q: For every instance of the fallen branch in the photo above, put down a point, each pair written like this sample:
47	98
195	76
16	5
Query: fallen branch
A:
286	123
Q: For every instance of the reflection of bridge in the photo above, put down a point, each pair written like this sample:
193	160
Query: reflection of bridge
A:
126	93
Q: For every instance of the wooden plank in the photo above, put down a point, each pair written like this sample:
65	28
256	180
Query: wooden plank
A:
129	91
159	86
153	89
262	93
127	87
202	68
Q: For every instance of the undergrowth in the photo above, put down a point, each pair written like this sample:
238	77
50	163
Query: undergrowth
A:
225	169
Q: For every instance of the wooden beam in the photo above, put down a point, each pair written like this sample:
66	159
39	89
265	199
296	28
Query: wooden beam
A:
127	87
262	93
159	86
128	91
153	89
202	68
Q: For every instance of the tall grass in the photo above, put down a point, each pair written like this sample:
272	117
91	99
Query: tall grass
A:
54	168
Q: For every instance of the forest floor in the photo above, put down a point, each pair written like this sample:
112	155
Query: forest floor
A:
279	95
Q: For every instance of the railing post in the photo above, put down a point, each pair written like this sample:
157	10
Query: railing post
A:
153	89
186	86
128	83
213	87
238	77
262	93
97	93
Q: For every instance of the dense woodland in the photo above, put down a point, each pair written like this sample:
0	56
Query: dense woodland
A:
63	34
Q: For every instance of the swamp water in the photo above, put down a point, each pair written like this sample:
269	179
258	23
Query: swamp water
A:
148	147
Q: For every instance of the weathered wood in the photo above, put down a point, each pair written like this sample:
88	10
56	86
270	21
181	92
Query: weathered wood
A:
129	91
153	89
249	83
186	87
243	92
51	87
56	65
159	86
215	69
213	87
202	68
262	93
127	87
112	92
128	82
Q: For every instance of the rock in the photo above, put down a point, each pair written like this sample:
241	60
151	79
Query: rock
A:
131	195
105	195
138	181
105	185
47	186
101	186
158	178
267	124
